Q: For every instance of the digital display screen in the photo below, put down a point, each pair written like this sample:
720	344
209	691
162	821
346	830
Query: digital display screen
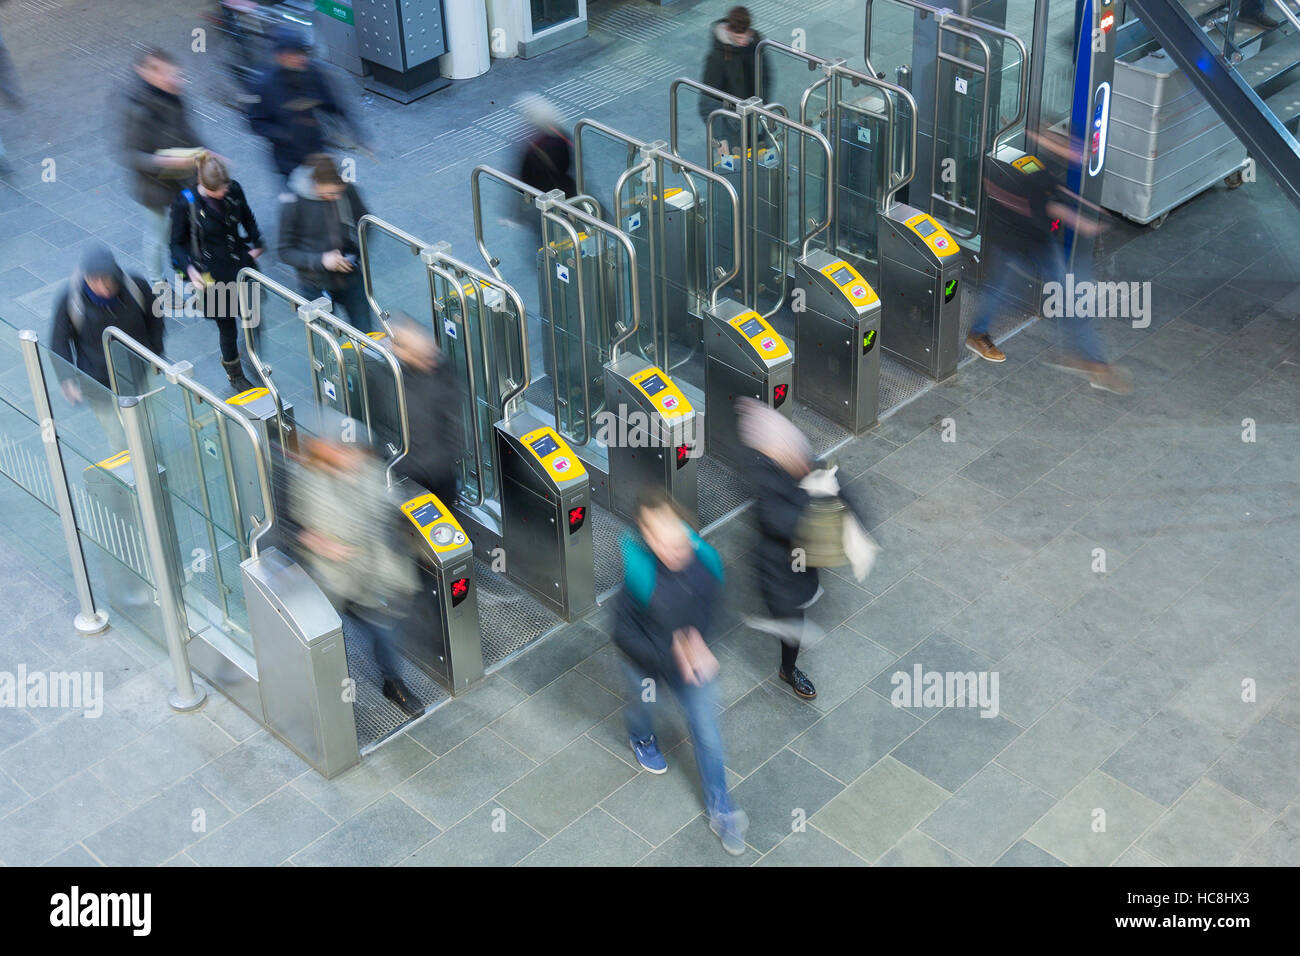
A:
426	515
842	276
925	228
752	328
544	446
1031	165
653	385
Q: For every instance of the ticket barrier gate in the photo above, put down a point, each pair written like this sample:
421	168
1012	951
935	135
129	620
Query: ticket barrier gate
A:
607	401
115	516
524	494
921	279
837	335
447	602
743	354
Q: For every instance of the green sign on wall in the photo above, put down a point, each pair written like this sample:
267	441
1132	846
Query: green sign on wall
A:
335	10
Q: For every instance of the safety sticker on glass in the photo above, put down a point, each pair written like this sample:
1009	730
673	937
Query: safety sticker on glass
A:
561	272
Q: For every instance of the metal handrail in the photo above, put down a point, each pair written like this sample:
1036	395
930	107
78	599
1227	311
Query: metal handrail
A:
678	163
476	200
363	254
454	281
496	282
246	276
356	336
699	87
177	375
945	15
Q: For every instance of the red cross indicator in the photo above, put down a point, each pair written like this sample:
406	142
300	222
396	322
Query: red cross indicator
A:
577	517
459	590
778	394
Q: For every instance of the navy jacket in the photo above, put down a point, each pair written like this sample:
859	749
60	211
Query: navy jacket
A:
286	112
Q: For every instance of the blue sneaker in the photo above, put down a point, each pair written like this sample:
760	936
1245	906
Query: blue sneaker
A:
730	829
648	754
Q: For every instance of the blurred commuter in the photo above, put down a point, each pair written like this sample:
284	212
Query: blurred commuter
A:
731	66
547	162
98	296
349	543
318	238
435	407
290	100
1252	11
783	480
161	146
672	583
214	235
1042	210
9	88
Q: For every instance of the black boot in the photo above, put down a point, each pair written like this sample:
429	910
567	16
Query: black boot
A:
235	372
400	694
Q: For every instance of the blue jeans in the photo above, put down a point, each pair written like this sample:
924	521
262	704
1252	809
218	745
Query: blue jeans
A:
1077	335
350	302
381	632
699	703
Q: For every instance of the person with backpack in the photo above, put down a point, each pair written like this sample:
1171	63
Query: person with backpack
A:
318	238
214	235
672	583
100	295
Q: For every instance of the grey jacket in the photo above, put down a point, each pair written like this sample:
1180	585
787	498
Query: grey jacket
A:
311	227
354	510
152	120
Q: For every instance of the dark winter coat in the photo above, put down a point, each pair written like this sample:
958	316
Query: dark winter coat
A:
730	68
311	227
656	602
77	329
286	112
435	402
152	120
214	235
547	164
780	504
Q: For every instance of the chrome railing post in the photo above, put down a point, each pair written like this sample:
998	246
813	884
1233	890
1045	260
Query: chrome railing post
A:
89	620
186	695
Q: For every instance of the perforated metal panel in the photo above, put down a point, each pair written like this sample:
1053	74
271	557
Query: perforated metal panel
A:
605	532
509	619
378	717
399	34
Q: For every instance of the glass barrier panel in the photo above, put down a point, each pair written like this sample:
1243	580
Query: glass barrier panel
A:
398	280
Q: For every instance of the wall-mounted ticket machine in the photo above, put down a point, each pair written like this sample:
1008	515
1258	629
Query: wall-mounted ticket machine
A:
446	642
546	511
920	288
837	336
745	357
656	439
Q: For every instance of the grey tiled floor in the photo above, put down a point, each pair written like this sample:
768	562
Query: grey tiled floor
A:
1127	565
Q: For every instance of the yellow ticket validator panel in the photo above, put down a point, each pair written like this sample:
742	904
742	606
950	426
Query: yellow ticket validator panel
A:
436	522
762	337
664	395
849	281
245	397
117	461
933	235
554	454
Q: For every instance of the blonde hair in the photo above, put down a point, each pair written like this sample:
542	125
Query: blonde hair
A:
212	172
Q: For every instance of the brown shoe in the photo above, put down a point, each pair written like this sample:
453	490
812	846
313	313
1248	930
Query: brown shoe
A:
1076	366
1112	379
982	345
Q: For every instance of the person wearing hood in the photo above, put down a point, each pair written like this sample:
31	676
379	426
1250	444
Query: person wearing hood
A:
318	238
100	295
214	235
731	66
288	101
160	145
